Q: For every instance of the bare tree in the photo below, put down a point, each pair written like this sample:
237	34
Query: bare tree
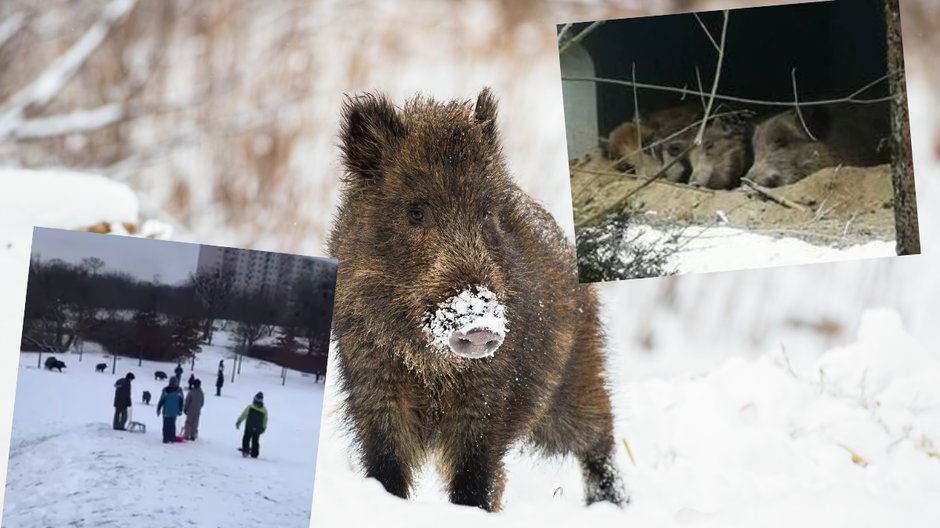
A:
214	291
93	265
249	332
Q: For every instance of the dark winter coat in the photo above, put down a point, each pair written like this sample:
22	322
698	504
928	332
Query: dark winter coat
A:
255	417
220	379
122	393
171	401
195	399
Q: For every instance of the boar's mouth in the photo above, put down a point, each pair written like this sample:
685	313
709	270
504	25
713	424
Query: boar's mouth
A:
470	325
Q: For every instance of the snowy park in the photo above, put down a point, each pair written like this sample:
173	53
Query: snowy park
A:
68	467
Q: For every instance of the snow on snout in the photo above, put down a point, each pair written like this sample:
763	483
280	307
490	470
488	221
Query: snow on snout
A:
471	324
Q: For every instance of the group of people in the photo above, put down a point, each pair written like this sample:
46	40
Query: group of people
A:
174	403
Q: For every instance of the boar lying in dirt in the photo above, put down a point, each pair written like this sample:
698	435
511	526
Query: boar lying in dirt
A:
844	134
725	153
662	128
459	322
625	149
674	128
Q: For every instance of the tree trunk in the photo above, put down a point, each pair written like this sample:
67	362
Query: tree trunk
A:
907	231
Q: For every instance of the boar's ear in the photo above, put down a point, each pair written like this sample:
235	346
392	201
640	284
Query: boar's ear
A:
371	127
818	119
484	113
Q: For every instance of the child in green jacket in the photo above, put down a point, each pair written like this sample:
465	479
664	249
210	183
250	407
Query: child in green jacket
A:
255	417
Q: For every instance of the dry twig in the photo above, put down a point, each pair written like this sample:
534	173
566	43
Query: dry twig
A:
765	192
579	37
851	98
796	104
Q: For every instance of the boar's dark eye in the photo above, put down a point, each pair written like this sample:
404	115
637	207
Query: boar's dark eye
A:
781	142
419	217
491	218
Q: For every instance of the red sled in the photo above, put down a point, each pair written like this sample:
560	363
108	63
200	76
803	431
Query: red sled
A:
180	439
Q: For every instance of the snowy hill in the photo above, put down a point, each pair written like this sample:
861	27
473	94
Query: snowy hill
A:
68	467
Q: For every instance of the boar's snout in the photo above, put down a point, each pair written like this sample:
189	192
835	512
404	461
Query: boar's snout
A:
474	344
469	325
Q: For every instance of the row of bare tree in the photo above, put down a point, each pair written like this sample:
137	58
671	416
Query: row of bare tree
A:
69	304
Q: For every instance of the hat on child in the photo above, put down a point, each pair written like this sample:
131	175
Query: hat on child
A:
259	397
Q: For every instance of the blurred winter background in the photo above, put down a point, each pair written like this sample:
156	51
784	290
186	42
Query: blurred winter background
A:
217	120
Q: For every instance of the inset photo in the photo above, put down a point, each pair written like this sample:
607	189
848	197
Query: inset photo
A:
738	139
167	384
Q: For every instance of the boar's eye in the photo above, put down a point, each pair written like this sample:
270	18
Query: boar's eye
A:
491	218
781	142
418	216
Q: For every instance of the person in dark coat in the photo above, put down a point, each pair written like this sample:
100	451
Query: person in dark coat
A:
192	380
122	400
179	372
220	379
255	417
171	403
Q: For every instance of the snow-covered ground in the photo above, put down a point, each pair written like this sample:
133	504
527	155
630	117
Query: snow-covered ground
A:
792	438
711	249
68	467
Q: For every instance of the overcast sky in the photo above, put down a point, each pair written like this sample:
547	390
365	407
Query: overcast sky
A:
141	258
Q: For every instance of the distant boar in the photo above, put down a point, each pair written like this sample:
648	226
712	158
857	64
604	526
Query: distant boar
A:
101	367
159	375
459	322
725	154
664	134
845	134
53	363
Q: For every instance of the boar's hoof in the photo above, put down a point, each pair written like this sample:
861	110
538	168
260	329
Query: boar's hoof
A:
474	344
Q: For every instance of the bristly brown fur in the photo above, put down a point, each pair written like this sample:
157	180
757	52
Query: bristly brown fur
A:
406	401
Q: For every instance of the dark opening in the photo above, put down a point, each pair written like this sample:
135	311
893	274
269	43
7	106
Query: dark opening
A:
837	47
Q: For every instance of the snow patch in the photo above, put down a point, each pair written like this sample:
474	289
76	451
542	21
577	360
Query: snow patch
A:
707	249
63	199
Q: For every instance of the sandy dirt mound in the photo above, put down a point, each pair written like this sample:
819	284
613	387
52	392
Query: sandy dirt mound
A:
836	206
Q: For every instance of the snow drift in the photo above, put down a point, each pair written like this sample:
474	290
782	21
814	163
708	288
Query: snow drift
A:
846	440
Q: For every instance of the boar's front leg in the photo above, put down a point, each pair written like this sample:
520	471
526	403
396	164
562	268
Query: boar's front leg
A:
472	464
381	412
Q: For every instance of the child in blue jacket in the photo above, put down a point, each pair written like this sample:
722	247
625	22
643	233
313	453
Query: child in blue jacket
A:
171	403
